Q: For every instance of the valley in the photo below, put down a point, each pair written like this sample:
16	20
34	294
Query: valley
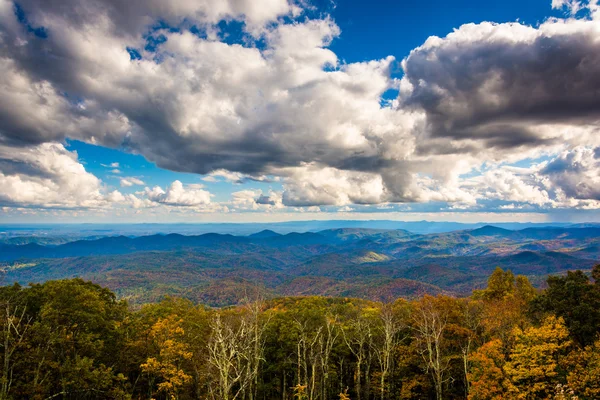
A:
374	264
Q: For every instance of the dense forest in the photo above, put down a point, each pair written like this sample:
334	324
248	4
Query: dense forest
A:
72	339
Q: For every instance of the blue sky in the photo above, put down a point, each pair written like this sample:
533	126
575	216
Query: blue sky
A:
299	110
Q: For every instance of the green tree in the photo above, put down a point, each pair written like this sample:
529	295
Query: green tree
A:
577	301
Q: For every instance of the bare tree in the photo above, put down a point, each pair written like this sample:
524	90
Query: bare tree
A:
308	354
359	341
389	329
428	323
15	326
236	351
326	343
257	321
472	318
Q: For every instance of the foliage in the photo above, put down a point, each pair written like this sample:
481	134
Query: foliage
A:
534	362
73	339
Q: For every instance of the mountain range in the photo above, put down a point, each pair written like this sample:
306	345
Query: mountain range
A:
378	264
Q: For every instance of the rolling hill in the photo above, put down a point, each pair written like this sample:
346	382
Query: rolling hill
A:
377	264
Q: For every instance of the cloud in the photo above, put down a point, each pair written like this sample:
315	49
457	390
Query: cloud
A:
496	88
576	173
234	177
266	200
130	181
572	5
569	180
179	195
315	185
280	105
48	176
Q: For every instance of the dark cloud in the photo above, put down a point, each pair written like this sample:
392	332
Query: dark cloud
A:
576	173
495	83
266	200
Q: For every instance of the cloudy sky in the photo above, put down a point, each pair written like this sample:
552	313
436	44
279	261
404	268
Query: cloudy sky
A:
244	110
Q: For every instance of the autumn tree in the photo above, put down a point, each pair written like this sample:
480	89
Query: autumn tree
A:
166	367
506	300
534	362
488	380
584	371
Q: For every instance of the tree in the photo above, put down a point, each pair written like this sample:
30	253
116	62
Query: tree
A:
15	327
596	274
584	371
236	350
472	314
167	365
358	337
429	323
534	363
486	373
388	338
577	301
506	300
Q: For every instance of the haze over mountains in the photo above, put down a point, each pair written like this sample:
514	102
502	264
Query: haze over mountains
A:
379	264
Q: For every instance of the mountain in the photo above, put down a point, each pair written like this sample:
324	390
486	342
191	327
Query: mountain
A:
377	264
490	230
266	233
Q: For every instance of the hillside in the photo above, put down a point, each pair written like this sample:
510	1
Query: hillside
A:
376	264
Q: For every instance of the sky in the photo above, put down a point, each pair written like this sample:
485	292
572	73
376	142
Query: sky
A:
239	111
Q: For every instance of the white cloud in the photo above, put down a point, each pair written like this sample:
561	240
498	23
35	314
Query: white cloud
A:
179	195
48	176
130	181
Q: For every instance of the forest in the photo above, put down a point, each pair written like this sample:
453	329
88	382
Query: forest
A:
73	339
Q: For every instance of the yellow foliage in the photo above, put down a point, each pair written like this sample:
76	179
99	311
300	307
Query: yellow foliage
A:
487	377
344	395
300	392
167	333
534	360
584	375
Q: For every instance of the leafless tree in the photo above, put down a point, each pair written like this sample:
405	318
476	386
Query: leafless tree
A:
236	350
15	326
359	340
429	323
389	329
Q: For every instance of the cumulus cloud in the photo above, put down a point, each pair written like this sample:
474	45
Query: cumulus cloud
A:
569	180
280	105
315	185
179	195
48	176
576	173
130	181
491	86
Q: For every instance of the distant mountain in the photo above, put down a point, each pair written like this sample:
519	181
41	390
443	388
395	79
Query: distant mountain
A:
554	233
490	230
377	264
296	239
266	233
